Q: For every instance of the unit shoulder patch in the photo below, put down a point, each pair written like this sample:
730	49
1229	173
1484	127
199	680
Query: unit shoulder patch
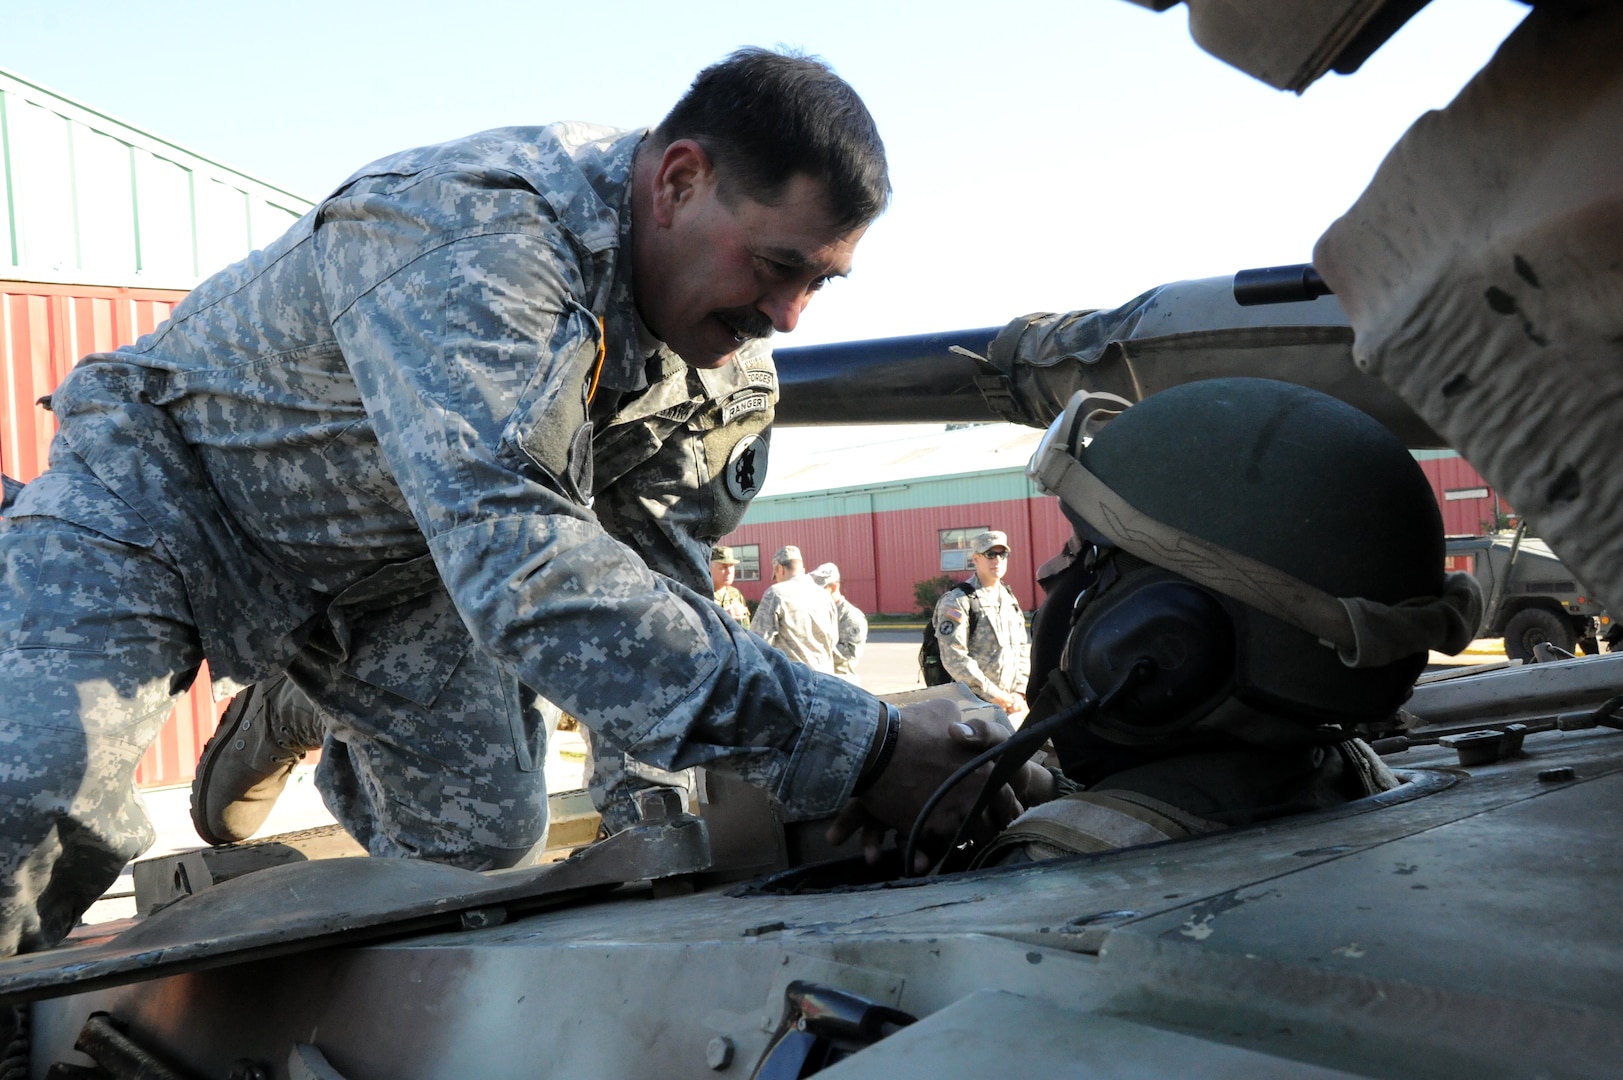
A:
746	467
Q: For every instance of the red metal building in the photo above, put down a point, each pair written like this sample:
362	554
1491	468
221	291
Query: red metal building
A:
899	527
44	329
103	228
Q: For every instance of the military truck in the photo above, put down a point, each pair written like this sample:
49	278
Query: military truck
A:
1530	597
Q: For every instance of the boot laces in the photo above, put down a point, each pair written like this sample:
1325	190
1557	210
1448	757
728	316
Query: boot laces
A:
296	725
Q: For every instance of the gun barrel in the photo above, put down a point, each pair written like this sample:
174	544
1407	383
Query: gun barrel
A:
1279	285
917	379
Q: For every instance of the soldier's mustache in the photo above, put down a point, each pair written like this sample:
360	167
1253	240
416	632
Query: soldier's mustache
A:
747	324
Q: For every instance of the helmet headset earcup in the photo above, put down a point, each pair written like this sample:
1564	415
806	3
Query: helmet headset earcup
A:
1051	626
1184	631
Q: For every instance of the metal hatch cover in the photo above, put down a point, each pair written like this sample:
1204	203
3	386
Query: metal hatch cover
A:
304	906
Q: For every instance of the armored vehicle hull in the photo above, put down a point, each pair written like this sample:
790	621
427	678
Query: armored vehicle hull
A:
1459	926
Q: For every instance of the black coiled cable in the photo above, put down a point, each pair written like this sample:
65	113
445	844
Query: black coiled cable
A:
1010	755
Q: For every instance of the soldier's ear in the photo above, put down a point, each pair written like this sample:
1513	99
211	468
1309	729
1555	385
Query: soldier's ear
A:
684	175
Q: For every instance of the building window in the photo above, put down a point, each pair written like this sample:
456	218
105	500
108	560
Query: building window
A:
955	547
1461	494
749	562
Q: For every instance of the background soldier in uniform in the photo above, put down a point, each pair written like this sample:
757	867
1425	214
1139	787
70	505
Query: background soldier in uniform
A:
723	569
796	616
853	624
984	643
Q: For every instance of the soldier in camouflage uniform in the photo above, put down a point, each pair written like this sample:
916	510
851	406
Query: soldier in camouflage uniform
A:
459	440
1255	626
796	616
723	569
991	651
853	624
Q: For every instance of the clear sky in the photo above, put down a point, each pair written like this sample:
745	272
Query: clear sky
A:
1046	155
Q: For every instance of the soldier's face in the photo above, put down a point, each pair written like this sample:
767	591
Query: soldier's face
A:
722	575
992	565
720	271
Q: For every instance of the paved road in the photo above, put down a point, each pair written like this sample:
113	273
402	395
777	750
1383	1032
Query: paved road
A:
891	661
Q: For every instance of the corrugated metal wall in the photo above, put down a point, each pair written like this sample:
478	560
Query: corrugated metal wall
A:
44	329
1467	500
105	226
87	199
888	539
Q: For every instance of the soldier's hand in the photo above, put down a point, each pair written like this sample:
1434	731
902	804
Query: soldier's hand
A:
934	740
1032	785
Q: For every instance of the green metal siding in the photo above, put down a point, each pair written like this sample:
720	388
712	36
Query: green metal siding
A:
961	489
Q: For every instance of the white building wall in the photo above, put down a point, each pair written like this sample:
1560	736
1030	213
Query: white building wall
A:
88	199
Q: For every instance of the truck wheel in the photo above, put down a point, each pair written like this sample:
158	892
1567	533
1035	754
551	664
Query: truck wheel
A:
1530	626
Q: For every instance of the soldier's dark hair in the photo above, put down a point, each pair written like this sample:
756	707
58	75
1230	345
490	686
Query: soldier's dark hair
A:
765	116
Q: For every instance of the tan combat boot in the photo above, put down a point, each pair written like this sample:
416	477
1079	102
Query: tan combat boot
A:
266	730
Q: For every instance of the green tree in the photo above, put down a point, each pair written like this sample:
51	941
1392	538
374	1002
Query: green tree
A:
930	590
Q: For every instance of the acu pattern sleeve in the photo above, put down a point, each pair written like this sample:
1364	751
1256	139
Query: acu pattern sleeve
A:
952	631
765	622
1023	637
853	637
472	347
677	467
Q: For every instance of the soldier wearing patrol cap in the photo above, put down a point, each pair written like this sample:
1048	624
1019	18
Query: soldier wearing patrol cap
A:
723	569
982	630
796	616
853	623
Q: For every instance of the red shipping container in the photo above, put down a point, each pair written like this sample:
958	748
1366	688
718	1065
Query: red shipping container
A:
44	330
